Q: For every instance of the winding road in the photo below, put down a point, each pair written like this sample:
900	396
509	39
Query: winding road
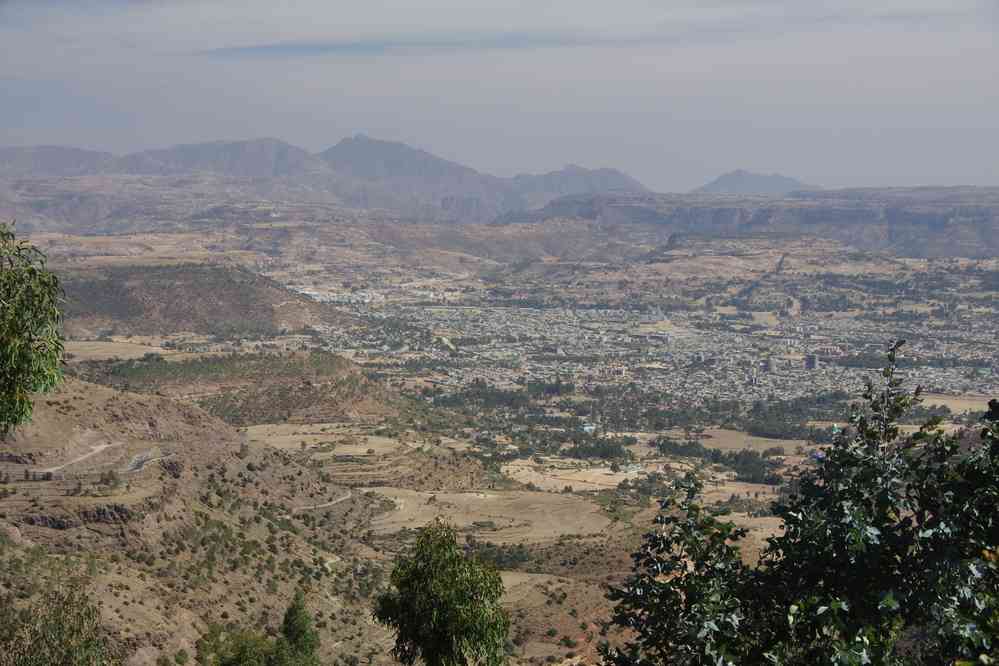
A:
314	507
94	450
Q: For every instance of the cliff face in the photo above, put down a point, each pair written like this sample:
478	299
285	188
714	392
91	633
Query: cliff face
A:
923	222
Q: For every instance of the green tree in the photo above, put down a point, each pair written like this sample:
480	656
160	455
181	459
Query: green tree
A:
62	627
444	606
297	644
299	641
889	554
30	338
246	648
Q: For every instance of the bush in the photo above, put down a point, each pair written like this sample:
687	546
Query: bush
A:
62	627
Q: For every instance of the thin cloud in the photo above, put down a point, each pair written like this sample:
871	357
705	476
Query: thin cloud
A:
675	31
401	46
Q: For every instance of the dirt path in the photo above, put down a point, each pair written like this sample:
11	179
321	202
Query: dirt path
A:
314	507
139	461
94	450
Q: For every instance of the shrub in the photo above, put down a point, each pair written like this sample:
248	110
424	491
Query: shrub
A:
889	554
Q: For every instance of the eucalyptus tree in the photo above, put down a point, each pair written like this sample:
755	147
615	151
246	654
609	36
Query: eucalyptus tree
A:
31	343
444	605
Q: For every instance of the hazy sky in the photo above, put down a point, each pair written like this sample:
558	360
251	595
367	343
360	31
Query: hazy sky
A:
861	92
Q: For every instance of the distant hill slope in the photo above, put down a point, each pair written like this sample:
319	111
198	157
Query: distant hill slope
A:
384	170
249	389
392	175
572	179
372	159
359	171
747	182
197	298
258	158
915	222
51	161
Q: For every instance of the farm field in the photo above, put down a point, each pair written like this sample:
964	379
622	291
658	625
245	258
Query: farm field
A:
734	440
958	404
555	476
499	516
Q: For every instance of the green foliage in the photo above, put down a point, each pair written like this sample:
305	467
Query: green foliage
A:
501	556
749	466
605	448
299	639
889	554
61	627
297	644
153	371
683	601
30	341
445	606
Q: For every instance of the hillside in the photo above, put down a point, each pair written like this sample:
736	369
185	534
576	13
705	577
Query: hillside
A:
259	158
457	189
747	182
538	190
51	161
193	298
175	526
56	189
915	222
253	389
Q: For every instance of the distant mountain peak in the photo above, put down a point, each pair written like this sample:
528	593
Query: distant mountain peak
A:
742	181
362	156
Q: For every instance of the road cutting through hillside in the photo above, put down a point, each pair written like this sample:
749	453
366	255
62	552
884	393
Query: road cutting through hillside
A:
94	450
316	507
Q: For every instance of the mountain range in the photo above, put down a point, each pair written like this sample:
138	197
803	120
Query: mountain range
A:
359	171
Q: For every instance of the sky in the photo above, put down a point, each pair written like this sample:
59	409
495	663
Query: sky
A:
674	92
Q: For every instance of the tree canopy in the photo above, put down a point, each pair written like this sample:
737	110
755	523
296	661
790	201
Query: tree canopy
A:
445	606
61	627
889	554
296	645
30	337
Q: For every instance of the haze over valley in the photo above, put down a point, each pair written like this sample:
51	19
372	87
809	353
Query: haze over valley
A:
272	372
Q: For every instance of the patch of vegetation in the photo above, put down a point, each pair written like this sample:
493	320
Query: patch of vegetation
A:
888	554
749	466
227	301
152	371
501	556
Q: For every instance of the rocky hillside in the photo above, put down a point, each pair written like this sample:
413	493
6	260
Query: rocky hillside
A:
175	524
916	222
